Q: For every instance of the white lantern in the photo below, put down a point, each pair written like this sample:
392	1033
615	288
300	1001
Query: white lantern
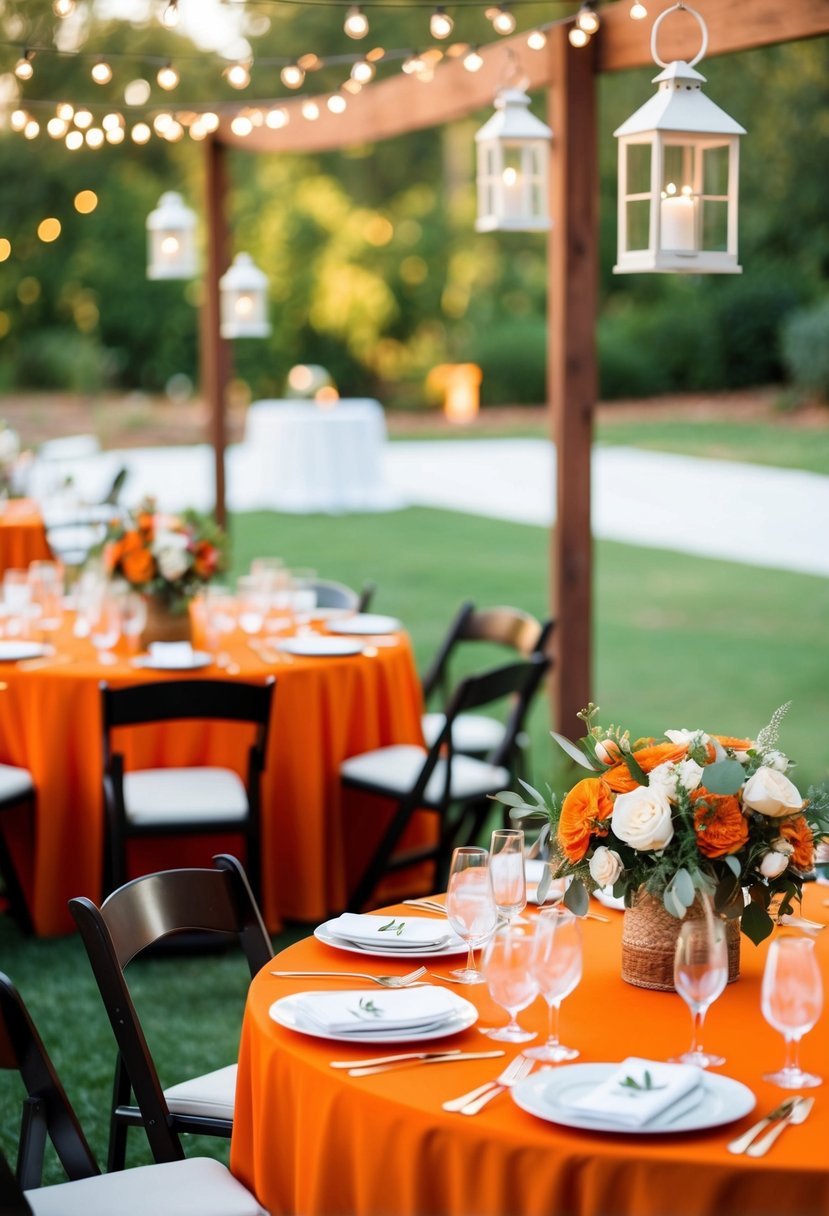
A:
513	161
244	300
171	239
678	176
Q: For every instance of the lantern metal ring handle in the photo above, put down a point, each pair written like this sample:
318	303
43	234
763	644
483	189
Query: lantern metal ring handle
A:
703	27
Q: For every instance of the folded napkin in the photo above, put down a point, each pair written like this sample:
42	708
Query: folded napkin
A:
636	1092
392	932
171	654
363	1011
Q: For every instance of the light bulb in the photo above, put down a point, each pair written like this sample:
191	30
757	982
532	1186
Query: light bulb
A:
238	75
18	120
363	71
170	245
440	24
241	125
110	121
310	110
337	103
638	11
56	128
74	140
244	305
170	16
141	133
210	121
63	8
503	21
356	23
413	64
276	119
101	72
95	137
32	129
65	110
578	37
115	135
587	19
24	69
292	76
537	40
472	60
167	77
83	119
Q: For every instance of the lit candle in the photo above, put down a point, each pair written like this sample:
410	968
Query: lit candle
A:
678	219
512	191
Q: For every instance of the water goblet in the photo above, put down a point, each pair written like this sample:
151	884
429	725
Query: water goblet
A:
506	866
506	966
17	598
133	619
105	624
792	1000
219	615
46	593
556	968
470	908
251	603
700	976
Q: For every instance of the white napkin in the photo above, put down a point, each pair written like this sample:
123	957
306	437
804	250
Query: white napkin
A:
614	1102
391	932
172	654
365	1011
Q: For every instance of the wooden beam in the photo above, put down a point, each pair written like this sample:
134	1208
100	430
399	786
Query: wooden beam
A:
572	379
215	351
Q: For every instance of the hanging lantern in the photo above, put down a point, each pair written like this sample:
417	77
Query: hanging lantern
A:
513	160
244	300
171	239
678	175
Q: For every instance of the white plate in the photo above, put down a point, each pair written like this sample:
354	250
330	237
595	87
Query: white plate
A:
159	662
323	934
606	897
366	622
723	1100
314	645
10	652
286	1013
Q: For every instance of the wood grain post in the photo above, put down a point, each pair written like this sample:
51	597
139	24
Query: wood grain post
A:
572	372
215	351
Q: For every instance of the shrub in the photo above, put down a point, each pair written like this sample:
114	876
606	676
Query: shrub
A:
61	359
805	343
513	358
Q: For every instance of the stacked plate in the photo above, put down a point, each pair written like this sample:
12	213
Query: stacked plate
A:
390	936
173	656
363	623
368	1016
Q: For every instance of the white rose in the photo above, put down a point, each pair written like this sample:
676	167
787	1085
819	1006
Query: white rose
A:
689	774
605	866
173	563
781	845
668	777
776	760
642	818
770	793
686	736
773	864
166	539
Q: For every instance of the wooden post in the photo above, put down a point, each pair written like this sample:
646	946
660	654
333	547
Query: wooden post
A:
572	378
215	351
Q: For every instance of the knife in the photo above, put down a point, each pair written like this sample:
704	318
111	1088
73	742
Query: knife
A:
798	1114
780	1112
434	1058
408	1055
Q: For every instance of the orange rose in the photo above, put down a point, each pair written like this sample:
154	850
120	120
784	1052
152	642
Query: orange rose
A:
798	833
138	566
206	559
620	780
737	745
112	555
721	826
145	523
587	803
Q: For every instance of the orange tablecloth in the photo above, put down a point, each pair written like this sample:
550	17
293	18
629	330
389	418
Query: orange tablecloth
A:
313	1141
324	710
22	535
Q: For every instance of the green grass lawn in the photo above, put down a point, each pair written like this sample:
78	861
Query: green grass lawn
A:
679	641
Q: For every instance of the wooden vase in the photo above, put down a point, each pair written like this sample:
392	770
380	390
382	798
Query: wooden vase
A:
164	625
649	936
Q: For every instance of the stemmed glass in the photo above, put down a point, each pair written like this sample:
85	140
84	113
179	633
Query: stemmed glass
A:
470	908
105	623
506	866
792	1000
219	616
700	976
133	619
46	593
506	965
252	604
556	969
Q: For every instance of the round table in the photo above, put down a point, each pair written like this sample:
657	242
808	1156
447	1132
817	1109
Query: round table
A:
22	535
313	1140
325	709
319	457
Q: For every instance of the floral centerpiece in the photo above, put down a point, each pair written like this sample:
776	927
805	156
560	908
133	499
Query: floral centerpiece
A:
169	558
688	815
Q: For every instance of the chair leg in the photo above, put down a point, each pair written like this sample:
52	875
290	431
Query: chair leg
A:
18	907
121	1091
378	864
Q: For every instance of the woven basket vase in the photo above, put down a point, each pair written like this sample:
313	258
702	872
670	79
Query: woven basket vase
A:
649	936
164	625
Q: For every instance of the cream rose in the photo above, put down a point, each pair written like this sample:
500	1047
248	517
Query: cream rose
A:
686	736
773	864
668	777
605	866
173	563
642	818
771	793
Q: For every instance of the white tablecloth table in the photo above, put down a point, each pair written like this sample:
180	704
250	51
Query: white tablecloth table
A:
308	457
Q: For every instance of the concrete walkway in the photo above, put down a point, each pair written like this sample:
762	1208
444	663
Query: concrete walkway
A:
761	516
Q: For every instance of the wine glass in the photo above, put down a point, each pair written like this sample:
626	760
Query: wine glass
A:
700	976
506	965
792	1000
506	866
133	619
17	598
219	616
556	968
470	907
105	624
46	593
251	601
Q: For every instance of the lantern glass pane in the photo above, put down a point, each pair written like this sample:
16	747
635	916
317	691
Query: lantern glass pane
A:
715	225
677	168
715	170
638	224
639	169
489	161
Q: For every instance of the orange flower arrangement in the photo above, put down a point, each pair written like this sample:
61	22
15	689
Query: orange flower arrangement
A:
692	814
170	557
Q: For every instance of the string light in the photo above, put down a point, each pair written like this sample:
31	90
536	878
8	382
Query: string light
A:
578	37
638	11
110	121
503	21
5	249
310	110
537	40
24	68
587	19
238	75
85	201
473	60
32	129
241	125
49	229
74	140
170	16
413	65
101	72
83	119
210	121
276	119
115	135
141	133
440	24
95	137
65	110
167	77
292	76
18	120
56	127
356	23
63	8
337	103
363	71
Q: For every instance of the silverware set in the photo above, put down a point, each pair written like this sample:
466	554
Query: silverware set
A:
788	1114
367	1068
476	1099
385	981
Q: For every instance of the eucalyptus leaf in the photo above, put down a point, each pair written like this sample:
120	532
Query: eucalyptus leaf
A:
724	776
544	884
539	798
522	811
733	865
683	886
757	924
672	905
510	799
573	752
576	898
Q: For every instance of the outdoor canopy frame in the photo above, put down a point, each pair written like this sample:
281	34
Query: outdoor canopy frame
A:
401	104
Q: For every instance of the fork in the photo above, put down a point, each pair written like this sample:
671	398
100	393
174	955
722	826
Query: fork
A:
385	981
471	1103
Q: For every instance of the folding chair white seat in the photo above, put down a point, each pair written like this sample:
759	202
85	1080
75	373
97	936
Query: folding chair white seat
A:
395	770
472	733
158	796
213	1094
15	783
197	1186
